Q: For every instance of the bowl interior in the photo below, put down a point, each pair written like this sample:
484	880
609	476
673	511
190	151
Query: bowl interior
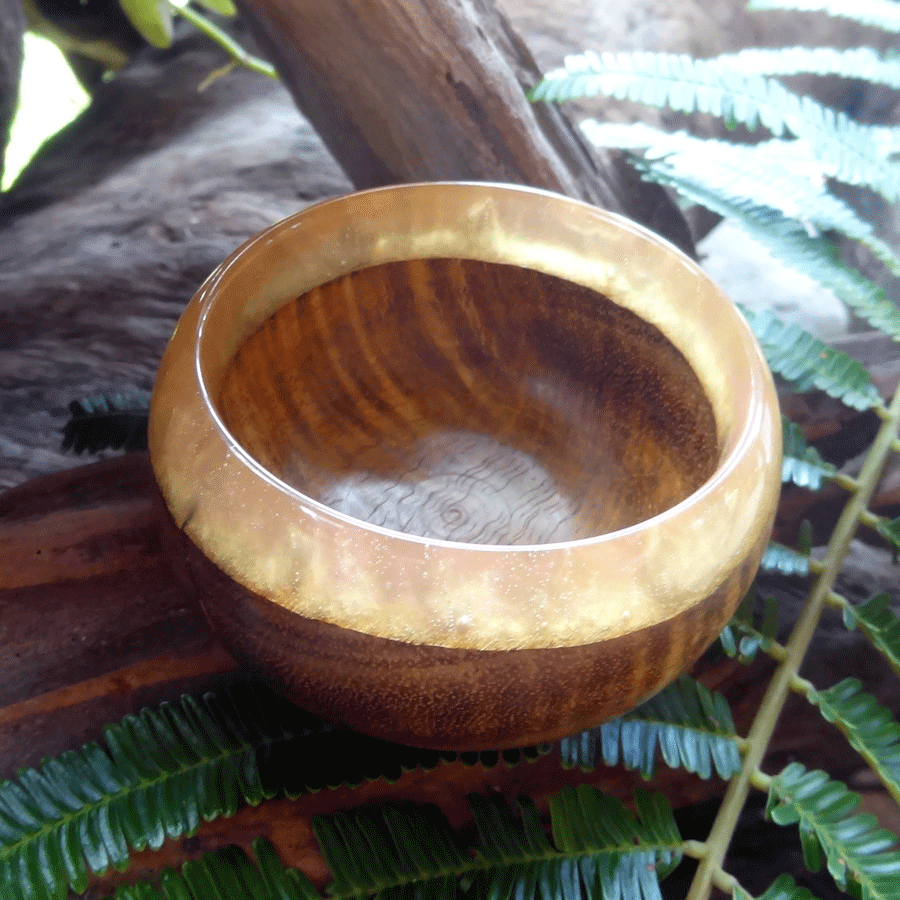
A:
471	401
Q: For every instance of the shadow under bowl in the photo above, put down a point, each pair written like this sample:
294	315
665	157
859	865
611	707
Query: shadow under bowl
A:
465	466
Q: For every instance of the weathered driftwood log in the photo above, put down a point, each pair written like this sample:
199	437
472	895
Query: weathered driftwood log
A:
113	228
425	91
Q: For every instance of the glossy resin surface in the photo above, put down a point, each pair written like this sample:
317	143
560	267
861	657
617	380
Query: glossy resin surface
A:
428	442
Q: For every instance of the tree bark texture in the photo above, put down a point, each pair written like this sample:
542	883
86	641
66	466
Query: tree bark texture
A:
429	91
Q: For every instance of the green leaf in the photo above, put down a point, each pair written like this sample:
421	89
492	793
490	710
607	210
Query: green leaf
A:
882	14
859	63
783	888
778	174
222	7
152	18
806	362
801	464
880	624
868	726
779	558
889	529
854	846
228	873
690	726
789	241
844	148
108	421
159	770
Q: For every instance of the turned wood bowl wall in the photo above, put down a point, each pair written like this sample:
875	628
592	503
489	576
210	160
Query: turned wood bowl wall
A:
463	465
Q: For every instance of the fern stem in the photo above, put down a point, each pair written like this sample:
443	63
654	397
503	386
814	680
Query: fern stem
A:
839	602
884	413
851	484
802	686
815	567
694	849
761	781
773	702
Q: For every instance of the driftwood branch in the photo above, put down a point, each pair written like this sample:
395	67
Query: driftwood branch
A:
427	91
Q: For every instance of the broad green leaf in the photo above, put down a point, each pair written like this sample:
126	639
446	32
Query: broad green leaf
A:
152	18
223	7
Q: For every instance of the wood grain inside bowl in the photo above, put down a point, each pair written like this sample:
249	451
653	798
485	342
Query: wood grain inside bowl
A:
471	401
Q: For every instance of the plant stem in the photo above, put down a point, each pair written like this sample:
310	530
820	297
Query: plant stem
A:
226	42
710	868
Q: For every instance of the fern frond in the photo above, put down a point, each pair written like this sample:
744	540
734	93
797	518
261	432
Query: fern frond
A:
802	464
164	770
107	422
777	174
783	888
882	14
755	635
855	848
808	363
228	873
868	726
679	82
880	624
862	63
789	241
411	851
692	728
889	529
160	773
786	560
598	827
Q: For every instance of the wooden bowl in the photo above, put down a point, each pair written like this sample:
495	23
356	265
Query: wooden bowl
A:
465	465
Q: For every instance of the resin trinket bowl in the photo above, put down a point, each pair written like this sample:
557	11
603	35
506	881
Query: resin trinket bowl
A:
465	466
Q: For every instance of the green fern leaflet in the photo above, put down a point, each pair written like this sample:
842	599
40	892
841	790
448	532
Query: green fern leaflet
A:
162	772
857	851
790	241
868	726
786	560
783	888
777	174
692	728
880	624
802	464
806	362
227	873
882	14
681	83
411	852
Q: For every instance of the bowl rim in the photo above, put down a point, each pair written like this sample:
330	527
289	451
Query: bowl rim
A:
321	564
724	465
